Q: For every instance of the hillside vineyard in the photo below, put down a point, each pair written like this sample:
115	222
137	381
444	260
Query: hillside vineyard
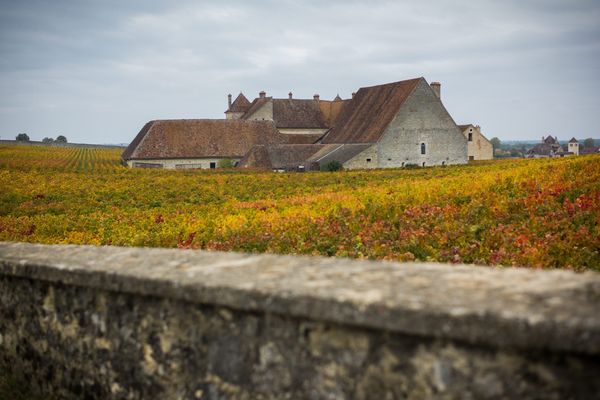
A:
541	213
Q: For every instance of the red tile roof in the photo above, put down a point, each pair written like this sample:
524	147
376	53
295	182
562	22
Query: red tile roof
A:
365	117
296	113
198	138
240	104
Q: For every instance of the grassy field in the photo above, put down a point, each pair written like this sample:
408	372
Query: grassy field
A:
538	213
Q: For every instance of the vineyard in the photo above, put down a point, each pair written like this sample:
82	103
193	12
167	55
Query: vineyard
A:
542	213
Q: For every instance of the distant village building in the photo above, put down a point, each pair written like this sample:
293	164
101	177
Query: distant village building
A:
589	150
478	146
573	146
384	126
549	147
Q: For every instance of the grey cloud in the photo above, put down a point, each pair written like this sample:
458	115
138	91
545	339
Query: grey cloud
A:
97	70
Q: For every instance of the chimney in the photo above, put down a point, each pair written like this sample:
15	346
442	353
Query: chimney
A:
353	94
229	101
436	86
262	94
316	97
290	95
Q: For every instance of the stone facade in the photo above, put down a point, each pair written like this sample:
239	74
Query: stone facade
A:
264	113
478	146
303	131
125	323
422	119
368	159
182	163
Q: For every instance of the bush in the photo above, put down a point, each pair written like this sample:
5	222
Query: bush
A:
61	139
22	137
47	140
332	166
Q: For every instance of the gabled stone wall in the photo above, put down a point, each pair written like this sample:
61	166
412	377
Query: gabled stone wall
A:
422	119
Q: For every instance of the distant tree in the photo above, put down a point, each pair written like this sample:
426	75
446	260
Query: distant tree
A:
587	143
226	163
61	139
331	166
22	137
47	140
495	142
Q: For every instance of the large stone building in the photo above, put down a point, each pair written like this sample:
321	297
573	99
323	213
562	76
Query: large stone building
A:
384	126
478	146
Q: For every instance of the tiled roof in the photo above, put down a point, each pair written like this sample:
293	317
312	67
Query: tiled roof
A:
197	138
550	140
573	140
240	104
331	110
365	117
296	113
338	152
302	138
286	156
545	149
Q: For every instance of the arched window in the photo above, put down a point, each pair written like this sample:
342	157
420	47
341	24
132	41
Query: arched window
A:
423	150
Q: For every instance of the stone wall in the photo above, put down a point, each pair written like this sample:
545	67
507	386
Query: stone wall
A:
479	148
360	160
128	323
264	113
183	163
422	119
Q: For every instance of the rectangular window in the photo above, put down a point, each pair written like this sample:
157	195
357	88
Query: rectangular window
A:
368	160
213	165
470	136
423	149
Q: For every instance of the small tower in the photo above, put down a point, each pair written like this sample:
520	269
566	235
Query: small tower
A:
237	108
574	146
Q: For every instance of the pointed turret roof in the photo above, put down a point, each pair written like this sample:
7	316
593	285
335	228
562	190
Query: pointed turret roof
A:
240	104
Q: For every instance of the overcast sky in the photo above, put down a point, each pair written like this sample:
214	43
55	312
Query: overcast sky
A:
96	71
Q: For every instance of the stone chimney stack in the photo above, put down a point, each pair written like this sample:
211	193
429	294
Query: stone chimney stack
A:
290	95
262	94
316	97
229	101
436	86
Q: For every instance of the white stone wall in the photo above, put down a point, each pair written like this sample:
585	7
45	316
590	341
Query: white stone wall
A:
574	148
479	148
422	119
194	163
360	161
265	113
295	131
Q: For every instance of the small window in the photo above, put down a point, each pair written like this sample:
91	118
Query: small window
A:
423	149
423	163
368	160
470	136
213	165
